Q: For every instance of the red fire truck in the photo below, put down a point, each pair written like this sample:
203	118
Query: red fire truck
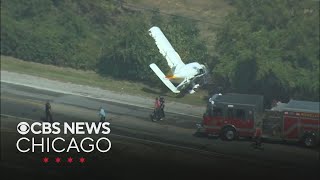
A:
238	115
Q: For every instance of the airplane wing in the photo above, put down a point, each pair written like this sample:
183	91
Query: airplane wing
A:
165	48
163	78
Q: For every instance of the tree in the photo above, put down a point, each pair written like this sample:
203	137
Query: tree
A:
264	44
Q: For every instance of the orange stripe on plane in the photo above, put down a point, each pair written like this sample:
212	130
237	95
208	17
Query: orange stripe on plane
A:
170	77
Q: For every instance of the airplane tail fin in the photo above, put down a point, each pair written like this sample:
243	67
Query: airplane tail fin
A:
163	78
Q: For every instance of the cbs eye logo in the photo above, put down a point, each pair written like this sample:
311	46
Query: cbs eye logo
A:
23	128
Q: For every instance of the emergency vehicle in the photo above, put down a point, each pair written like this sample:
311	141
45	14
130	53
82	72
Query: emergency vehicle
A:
238	115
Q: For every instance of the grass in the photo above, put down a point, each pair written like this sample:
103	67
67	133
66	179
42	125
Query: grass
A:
208	13
91	78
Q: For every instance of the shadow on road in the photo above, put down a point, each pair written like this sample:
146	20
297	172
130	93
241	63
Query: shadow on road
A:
264	140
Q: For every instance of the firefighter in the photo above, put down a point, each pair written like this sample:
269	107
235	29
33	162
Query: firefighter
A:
48	112
257	138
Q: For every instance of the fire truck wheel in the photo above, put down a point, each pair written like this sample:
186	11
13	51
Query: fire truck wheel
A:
309	140
229	134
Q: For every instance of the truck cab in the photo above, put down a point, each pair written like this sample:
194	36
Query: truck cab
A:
232	115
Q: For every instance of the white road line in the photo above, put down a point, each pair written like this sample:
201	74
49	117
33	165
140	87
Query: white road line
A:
178	146
216	154
148	141
87	96
16	117
123	136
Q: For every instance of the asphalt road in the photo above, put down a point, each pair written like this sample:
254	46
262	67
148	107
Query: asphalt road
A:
166	148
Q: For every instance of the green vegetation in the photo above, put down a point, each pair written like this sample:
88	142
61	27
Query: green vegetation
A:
208	14
271	48
94	35
92	78
261	47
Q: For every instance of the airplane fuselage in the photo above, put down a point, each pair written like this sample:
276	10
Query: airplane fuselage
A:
187	71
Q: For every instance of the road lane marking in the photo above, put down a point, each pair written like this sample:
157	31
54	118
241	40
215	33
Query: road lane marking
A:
210	153
16	117
25	101
87	96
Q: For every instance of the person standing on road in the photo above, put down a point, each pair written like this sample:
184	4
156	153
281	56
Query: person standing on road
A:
48	112
102	114
257	138
162	115
156	108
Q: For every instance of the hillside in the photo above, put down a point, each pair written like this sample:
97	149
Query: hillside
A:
258	47
94	35
207	14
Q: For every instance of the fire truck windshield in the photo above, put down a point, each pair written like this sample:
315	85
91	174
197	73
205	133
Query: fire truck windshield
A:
215	112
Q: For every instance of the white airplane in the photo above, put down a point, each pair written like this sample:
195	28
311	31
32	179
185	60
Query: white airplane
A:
185	75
